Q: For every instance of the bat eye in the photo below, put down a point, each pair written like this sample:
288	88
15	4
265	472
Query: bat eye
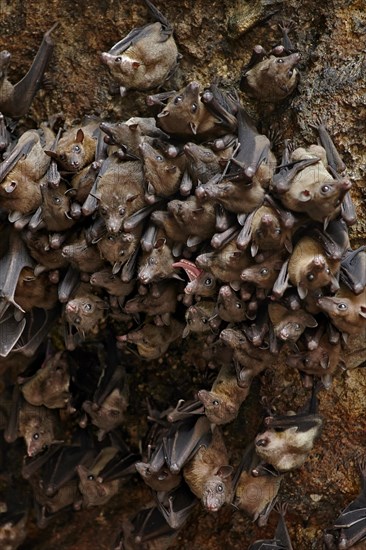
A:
56	200
118	59
87	307
77	321
216	402
103	211
280	60
159	158
77	149
310	277
178	99
297	327
208	281
36	436
90	477
327	271
238	305
194	107
290	72
111	238
121	211
278	231
204	320
151	261
342	305
220	488
325	188
264	271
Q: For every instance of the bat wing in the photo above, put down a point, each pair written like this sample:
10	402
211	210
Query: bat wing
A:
26	88
184	440
10	331
150	524
353	270
38	324
180	503
20	150
186	409
282	180
118	467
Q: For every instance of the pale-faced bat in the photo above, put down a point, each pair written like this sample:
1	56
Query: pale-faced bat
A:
16	99
350	527
153	341
230	307
255	495
208	473
346	310
187	114
223	401
49	386
287	439
119	191
146	57
21	172
271	77
76	148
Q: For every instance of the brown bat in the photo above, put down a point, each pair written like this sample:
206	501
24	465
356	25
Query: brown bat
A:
37	426
312	190
282	538
289	325
82	255
264	274
16	99
35	291
187	114
146	57
321	361
55	210
201	283
22	171
202	164
111	283
230	307
202	318
13	520
309	269
119	191
267	230
85	311
249	360
225	264
162	174
157	264
76	148
194	218
346	310
118	249
39	248
94	492
49	386
160	302
208	474
271	77
223	401
131	134
287	439
153	341
255	495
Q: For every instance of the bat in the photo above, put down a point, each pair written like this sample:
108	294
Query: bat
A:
223	401
282	538
230	307
16	99
146	57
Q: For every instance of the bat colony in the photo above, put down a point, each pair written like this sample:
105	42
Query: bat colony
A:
183	224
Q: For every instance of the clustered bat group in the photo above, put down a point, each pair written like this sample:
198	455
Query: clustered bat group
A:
178	225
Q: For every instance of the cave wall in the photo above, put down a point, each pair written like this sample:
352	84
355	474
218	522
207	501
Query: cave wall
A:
216	39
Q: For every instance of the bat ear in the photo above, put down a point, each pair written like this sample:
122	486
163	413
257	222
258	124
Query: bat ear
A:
52	154
193	127
305	195
185	331
225	471
79	136
133	127
163	113
159	243
302	291
363	311
135	65
171	169
131	198
324	362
